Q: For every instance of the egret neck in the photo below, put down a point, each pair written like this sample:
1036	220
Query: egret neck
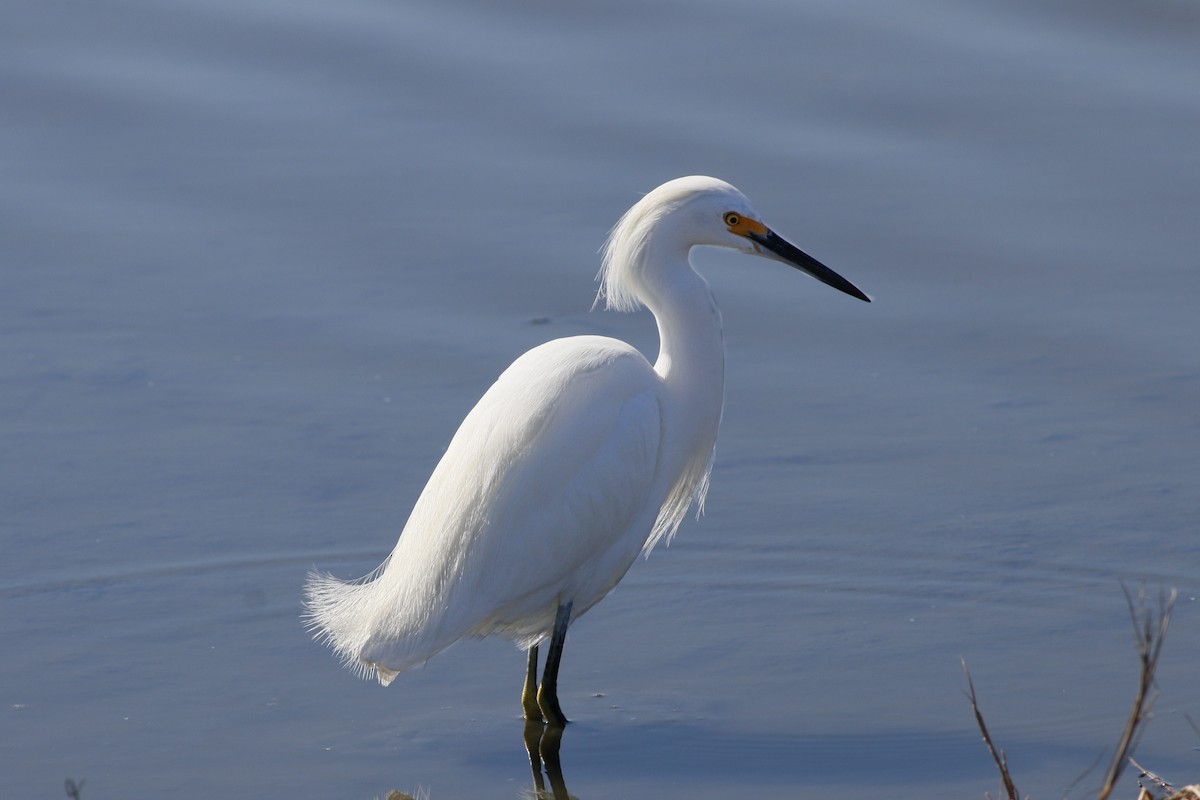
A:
691	356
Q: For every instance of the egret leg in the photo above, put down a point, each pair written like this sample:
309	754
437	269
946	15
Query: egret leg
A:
529	694
547	696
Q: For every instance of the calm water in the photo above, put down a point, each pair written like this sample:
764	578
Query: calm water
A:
259	258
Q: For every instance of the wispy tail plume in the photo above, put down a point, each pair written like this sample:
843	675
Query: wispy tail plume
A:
336	612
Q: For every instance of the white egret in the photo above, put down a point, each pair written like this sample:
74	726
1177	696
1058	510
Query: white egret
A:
581	455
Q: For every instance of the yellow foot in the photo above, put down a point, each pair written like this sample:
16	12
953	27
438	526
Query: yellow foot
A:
548	703
533	711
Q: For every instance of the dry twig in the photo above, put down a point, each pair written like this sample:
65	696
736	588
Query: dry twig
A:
1149	632
997	755
1145	773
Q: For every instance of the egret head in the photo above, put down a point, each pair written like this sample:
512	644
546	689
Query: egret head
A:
691	211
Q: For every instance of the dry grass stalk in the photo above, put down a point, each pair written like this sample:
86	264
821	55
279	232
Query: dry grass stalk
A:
997	754
1149	633
1145	773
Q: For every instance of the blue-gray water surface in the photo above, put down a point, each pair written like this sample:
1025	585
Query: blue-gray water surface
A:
259	258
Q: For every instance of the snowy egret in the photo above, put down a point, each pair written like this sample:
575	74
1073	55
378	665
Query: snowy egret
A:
579	457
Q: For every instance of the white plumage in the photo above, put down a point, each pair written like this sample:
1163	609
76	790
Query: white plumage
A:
580	456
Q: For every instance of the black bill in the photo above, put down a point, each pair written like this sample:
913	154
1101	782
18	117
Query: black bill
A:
790	254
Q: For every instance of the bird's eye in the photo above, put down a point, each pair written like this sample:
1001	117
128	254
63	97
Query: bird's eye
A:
732	219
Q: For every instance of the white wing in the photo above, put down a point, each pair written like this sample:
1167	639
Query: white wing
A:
548	489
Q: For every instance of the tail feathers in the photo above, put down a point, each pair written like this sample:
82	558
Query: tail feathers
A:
371	640
338	613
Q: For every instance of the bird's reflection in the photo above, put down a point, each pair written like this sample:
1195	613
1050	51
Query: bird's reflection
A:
542	742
